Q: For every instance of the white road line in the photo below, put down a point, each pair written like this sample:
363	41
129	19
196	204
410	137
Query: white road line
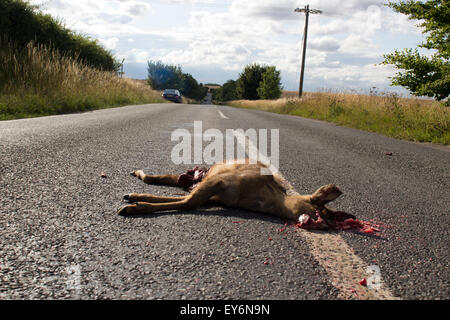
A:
221	114
344	268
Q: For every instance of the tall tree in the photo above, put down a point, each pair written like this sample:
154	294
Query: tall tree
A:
249	80
164	76
270	85
425	75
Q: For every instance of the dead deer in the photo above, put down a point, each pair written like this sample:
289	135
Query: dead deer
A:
238	185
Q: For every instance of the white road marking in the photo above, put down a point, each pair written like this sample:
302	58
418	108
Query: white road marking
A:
221	114
343	267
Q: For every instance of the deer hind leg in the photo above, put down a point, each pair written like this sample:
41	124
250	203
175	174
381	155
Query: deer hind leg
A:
200	196
165	180
144	197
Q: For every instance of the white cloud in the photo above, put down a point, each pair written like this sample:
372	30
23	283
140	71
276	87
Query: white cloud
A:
135	55
138	8
324	44
99	18
110	43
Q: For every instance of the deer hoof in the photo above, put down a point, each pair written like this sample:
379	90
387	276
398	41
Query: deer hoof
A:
129	198
126	211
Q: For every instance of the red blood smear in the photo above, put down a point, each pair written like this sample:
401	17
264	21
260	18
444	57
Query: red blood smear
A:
348	224
237	221
369	230
357	225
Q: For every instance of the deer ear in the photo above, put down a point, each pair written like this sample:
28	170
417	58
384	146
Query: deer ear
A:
325	194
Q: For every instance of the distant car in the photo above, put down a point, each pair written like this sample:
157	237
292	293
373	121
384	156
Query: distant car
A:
172	95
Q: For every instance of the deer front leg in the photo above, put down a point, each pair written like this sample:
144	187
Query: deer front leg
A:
165	180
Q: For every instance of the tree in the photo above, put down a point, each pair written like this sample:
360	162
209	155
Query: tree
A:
248	82
164	76
423	75
191	88
270	85
227	92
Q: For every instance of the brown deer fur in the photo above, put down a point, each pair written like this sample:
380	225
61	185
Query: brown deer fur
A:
236	185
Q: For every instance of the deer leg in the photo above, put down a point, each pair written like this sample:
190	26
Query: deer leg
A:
165	180
325	194
135	197
198	197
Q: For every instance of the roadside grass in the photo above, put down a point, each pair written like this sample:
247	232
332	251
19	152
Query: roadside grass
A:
402	118
37	81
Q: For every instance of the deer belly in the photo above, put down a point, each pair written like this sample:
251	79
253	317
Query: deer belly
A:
258	204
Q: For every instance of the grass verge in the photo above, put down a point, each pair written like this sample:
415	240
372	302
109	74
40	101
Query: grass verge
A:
39	81
401	118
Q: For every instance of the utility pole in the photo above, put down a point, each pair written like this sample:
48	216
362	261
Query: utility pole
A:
307	11
121	73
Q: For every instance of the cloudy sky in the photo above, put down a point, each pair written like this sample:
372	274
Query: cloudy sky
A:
214	39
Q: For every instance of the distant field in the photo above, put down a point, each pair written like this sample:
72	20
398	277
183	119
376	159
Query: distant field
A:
289	94
403	118
37	81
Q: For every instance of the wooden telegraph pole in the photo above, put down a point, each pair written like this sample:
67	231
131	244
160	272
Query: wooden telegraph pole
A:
307	11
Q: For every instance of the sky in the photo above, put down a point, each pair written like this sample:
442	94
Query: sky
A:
215	39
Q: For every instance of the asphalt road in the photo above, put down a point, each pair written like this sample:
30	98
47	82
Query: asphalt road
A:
61	237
